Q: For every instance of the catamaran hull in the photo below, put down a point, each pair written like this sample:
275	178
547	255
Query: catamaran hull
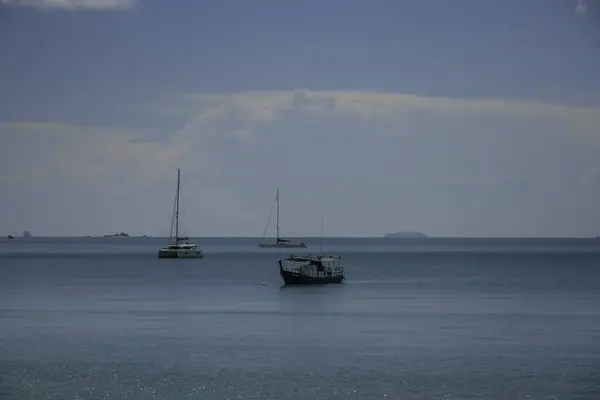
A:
292	279
283	246
180	254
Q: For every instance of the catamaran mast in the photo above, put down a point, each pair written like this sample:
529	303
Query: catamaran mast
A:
277	215
177	208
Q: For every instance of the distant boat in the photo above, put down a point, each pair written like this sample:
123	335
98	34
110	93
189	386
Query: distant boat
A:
179	248
279	242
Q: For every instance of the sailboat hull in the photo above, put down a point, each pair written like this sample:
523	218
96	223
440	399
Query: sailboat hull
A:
170	253
283	245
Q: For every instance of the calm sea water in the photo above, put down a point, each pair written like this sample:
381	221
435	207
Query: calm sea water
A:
417	319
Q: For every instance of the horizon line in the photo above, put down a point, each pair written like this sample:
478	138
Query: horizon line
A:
303	237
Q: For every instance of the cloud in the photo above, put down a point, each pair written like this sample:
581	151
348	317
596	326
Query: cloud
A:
84	153
372	162
66	179
94	5
204	109
581	7
369	104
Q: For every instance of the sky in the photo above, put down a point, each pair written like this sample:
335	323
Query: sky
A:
452	118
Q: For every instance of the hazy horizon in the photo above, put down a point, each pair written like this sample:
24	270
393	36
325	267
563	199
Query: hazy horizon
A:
136	236
455	119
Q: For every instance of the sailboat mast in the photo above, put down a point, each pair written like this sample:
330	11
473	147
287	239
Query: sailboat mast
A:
177	207
277	215
321	242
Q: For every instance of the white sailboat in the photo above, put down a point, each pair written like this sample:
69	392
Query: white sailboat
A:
279	243
180	248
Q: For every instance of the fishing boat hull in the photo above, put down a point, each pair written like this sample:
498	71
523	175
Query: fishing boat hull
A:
283	245
188	253
291	278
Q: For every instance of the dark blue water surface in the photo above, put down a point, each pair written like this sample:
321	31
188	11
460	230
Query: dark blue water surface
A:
104	318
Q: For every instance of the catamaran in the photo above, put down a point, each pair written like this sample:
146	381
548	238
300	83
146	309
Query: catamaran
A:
279	242
179	248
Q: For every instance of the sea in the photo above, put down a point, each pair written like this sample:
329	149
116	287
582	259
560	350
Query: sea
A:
104	318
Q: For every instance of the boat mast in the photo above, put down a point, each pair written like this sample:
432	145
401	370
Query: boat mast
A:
277	215
177	208
321	242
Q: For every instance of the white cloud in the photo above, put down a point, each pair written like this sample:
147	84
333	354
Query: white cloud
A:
96	5
265	105
81	154
373	162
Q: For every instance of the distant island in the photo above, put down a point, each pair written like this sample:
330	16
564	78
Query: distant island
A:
117	235
406	234
120	234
